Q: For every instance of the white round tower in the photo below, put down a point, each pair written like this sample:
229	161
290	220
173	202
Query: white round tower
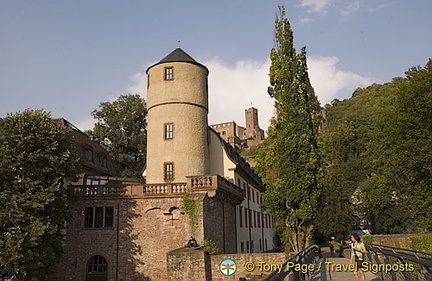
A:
177	131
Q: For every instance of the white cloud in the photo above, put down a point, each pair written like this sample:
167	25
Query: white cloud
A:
232	89
315	5
380	7
140	84
329	82
86	124
351	8
343	7
305	20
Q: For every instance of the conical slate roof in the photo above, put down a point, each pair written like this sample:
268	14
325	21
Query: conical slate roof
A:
178	55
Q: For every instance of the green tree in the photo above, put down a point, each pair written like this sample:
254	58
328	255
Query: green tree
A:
289	160
377	149
398	193
122	131
36	163
343	145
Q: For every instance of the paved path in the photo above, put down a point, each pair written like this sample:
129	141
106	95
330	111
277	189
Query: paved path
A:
332	269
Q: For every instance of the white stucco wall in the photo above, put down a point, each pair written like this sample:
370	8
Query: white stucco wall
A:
219	161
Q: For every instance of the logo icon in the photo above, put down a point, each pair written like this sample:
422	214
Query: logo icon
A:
228	267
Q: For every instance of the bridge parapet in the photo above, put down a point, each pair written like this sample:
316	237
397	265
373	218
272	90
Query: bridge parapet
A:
381	256
308	256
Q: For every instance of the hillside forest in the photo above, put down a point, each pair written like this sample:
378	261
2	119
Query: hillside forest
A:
377	147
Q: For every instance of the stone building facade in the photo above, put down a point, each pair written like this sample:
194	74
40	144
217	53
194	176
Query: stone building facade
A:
195	185
238	136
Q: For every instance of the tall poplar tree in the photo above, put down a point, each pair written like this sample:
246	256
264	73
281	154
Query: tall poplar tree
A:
289	160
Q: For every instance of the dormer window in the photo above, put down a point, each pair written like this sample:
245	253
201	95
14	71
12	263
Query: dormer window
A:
103	159
88	153
169	74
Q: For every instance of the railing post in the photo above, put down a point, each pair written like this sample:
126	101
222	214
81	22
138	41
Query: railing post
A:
189	183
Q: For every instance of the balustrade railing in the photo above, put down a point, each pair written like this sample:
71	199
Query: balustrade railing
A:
155	189
203	181
165	188
99	190
193	182
386	257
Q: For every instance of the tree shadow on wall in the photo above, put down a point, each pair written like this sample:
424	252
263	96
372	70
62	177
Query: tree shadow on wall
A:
129	251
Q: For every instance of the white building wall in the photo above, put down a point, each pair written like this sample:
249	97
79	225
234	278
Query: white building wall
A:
253	233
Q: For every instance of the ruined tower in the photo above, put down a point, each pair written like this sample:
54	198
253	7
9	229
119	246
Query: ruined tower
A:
253	133
251	116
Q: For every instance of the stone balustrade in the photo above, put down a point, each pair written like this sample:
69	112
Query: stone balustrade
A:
155	188
202	181
165	188
99	190
193	183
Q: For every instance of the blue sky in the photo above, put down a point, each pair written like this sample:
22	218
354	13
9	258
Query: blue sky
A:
68	56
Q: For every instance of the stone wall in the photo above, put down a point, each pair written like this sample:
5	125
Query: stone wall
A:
263	263
220	224
135	247
187	264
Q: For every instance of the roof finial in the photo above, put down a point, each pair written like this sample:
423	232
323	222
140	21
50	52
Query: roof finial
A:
178	41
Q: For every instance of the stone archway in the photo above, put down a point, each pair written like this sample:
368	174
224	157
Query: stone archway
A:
97	269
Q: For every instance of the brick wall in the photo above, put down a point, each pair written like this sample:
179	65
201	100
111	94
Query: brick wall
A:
143	232
135	247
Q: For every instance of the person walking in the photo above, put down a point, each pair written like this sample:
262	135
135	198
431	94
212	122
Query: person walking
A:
358	250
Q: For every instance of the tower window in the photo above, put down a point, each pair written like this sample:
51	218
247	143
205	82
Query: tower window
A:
169	73
169	171
169	131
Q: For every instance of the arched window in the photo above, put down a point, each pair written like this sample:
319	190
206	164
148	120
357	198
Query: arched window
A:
97	269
